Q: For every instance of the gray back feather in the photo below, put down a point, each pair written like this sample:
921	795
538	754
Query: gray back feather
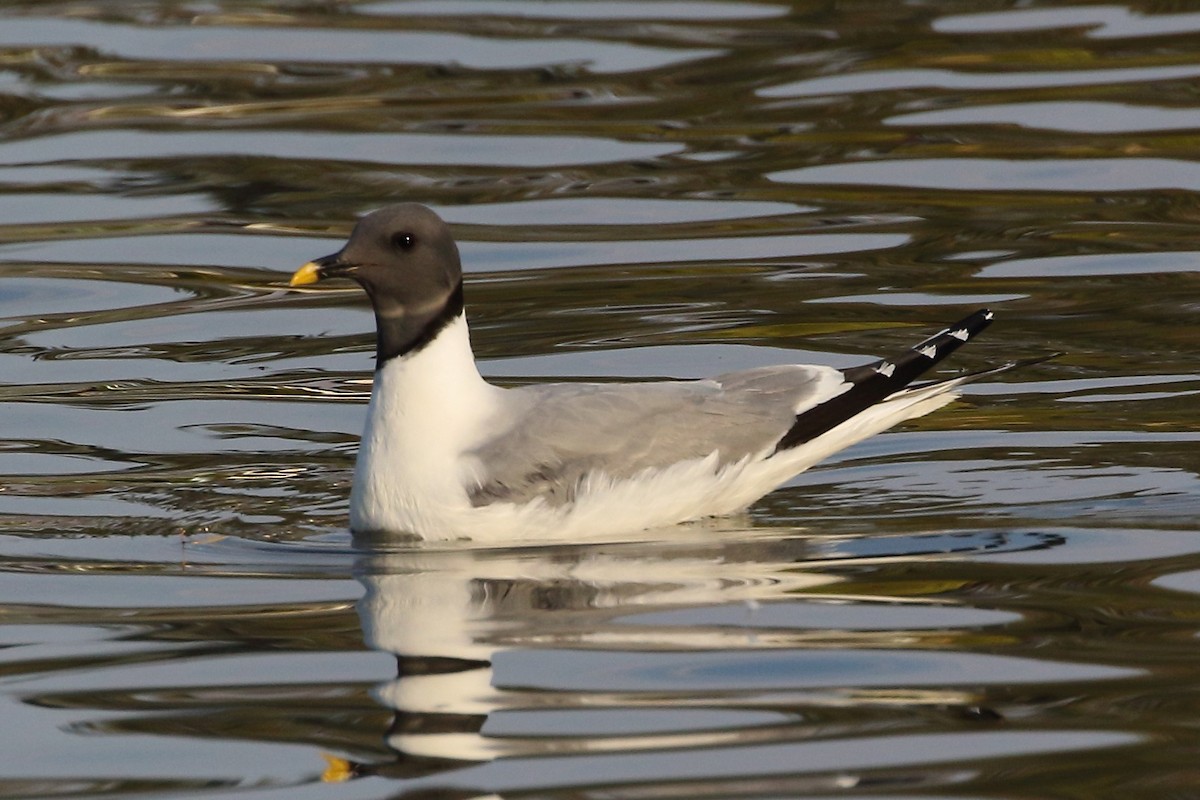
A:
559	434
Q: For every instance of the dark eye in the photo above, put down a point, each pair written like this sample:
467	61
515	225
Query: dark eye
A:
403	241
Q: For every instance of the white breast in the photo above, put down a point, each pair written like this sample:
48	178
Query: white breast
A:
426	410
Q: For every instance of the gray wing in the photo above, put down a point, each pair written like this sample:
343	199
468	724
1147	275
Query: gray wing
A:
558	434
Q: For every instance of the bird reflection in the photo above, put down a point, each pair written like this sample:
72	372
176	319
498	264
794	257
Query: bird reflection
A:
446	614
466	626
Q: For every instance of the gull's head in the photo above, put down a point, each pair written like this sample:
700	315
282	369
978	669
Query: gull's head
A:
402	255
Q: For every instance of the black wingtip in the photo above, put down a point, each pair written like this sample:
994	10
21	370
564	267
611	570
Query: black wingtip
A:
965	329
907	367
874	382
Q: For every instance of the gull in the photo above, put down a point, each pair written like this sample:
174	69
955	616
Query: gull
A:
446	455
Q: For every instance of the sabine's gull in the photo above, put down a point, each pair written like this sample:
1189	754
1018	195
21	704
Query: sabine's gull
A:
447	455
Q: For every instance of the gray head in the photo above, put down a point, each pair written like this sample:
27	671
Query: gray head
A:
406	260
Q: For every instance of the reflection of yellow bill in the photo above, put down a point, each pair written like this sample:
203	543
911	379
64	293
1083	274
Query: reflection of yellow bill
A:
339	769
309	273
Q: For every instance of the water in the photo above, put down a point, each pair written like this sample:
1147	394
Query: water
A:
995	601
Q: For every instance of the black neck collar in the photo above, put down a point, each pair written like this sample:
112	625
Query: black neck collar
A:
409	333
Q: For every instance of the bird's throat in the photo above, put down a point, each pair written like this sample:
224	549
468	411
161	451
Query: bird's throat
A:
402	334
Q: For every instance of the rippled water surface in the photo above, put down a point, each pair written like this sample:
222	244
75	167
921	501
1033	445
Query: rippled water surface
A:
999	600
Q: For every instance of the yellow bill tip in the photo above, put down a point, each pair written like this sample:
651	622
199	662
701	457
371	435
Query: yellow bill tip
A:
309	273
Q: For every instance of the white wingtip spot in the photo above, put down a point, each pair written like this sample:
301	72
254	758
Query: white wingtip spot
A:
989	316
929	351
960	334
886	368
